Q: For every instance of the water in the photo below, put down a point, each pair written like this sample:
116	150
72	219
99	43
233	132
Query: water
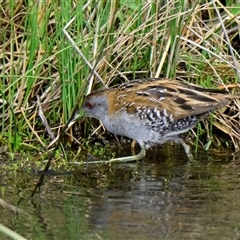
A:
158	198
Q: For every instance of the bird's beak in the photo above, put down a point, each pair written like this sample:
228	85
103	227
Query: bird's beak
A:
77	115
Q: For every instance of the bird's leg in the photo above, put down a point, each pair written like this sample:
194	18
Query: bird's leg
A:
187	150
133	147
137	157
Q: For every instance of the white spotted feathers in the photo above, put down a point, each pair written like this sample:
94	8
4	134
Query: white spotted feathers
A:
153	111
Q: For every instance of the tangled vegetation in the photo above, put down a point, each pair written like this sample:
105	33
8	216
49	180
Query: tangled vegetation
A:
43	77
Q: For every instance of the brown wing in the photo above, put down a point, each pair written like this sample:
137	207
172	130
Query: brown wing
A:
178	98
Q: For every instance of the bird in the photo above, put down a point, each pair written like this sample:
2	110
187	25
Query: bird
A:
152	111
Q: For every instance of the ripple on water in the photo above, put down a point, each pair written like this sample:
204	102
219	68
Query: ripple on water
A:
159	198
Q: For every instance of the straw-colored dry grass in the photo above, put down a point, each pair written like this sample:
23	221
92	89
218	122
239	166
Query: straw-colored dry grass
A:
42	73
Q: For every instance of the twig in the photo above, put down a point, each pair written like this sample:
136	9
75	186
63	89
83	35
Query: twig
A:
7	231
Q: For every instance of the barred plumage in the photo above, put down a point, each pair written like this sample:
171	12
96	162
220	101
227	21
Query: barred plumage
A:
153	111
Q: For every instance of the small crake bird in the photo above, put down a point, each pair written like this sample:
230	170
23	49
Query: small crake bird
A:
152	111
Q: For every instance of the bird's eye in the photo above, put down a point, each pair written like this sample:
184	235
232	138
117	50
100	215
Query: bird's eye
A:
89	105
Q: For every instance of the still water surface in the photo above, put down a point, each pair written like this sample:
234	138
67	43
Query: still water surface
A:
158	198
